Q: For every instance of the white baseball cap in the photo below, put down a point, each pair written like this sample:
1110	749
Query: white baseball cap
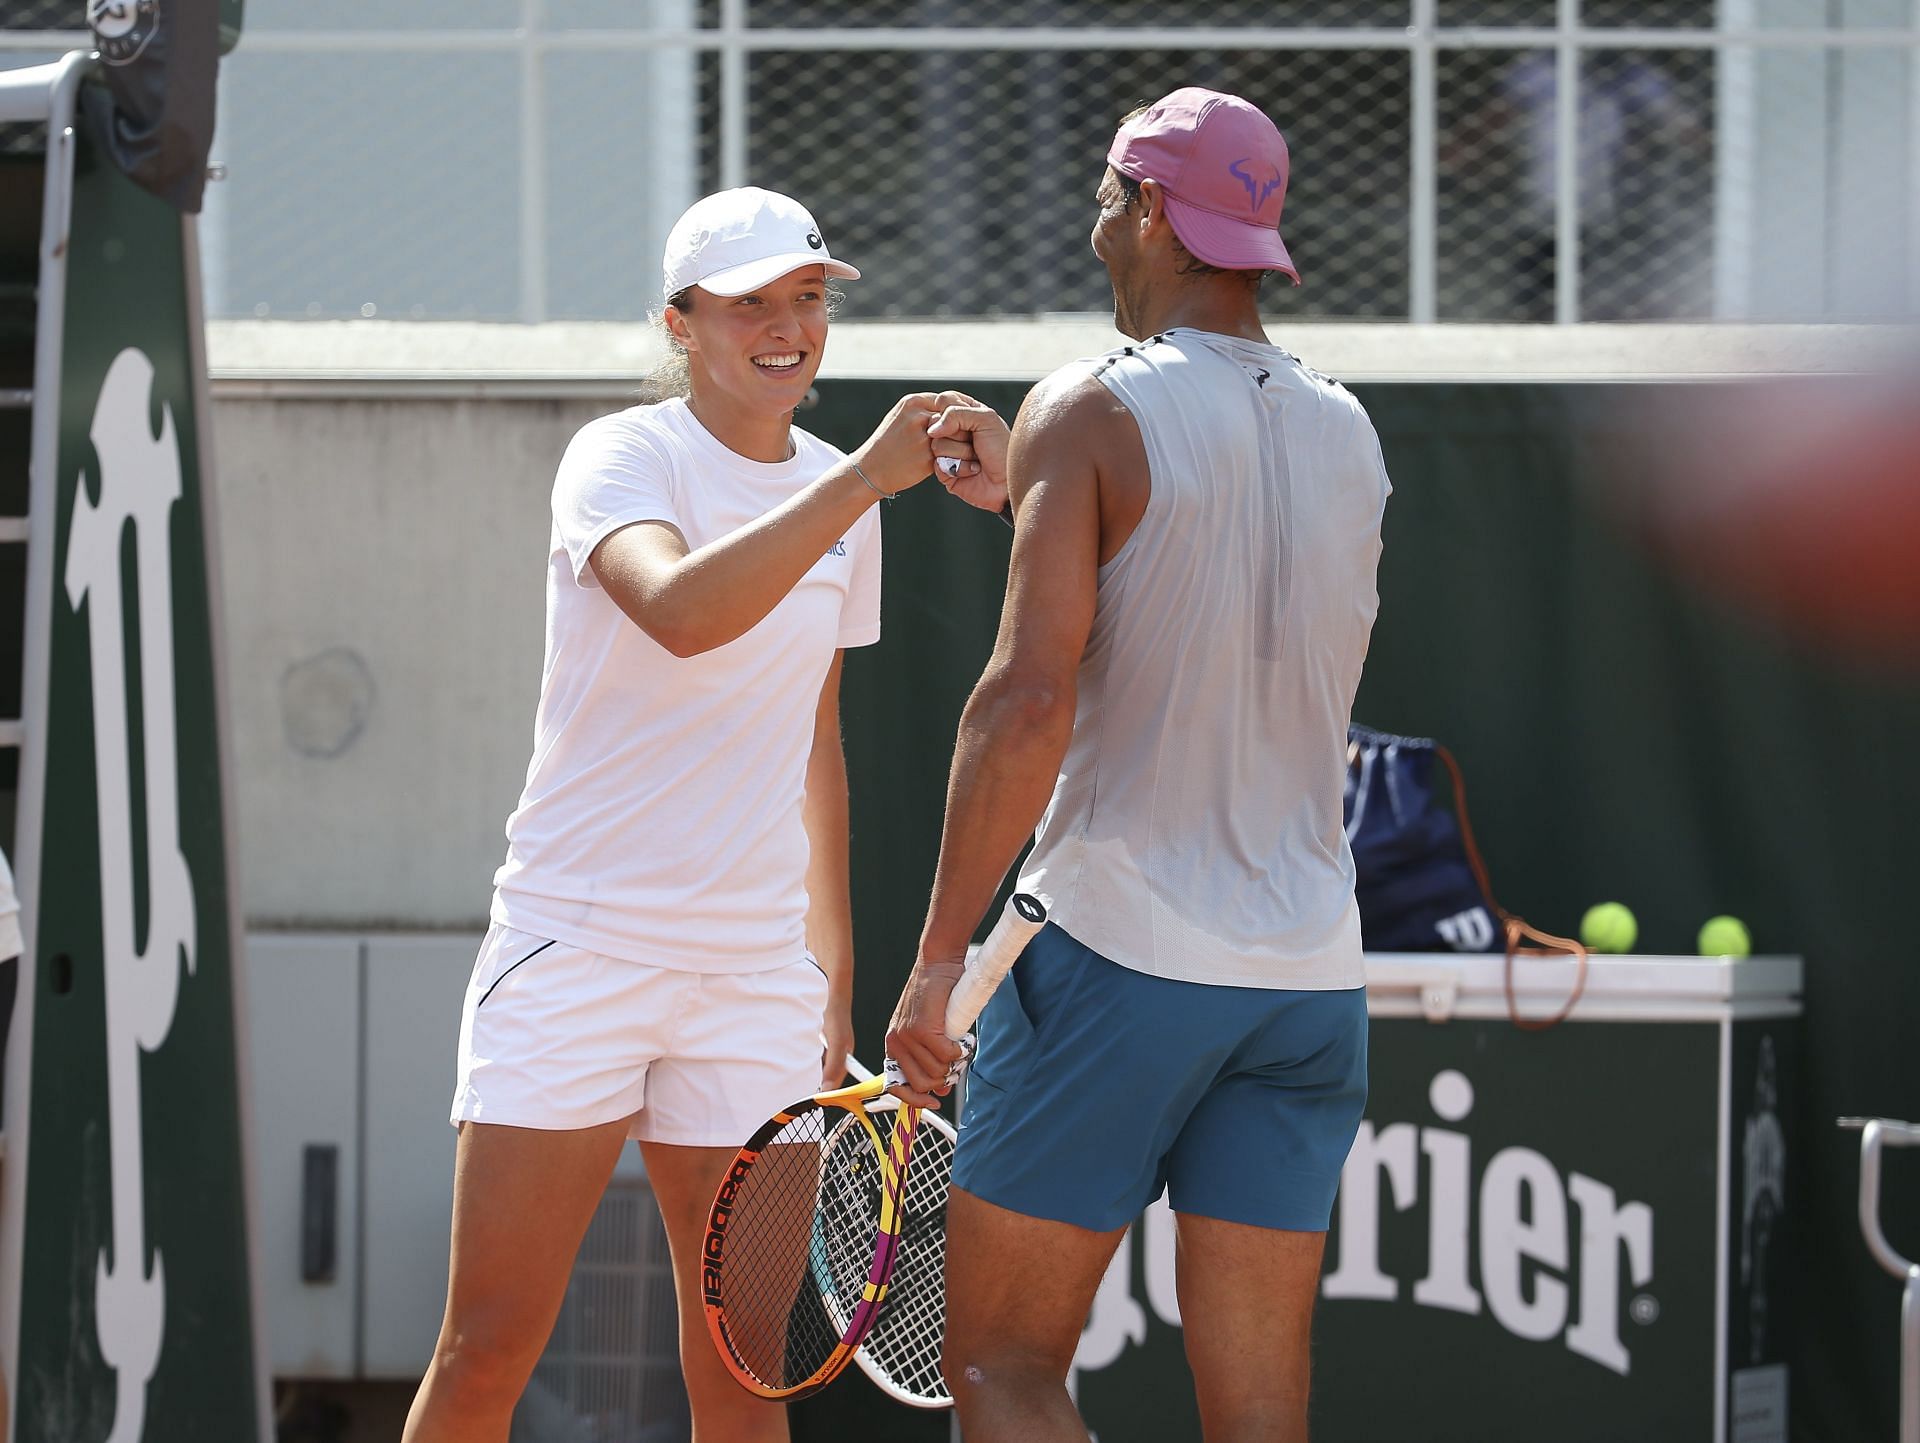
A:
734	241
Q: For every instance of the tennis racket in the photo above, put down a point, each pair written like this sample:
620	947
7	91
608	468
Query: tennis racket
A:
805	1230
901	1355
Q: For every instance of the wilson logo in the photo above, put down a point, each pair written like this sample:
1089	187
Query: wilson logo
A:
1468	931
1542	1274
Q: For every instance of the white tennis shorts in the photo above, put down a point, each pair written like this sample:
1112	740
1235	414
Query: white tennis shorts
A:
554	1037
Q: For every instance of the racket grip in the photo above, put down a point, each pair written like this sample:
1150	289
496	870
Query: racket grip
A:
1025	915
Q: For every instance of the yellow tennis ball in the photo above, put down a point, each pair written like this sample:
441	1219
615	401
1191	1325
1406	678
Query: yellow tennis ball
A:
1725	937
1609	927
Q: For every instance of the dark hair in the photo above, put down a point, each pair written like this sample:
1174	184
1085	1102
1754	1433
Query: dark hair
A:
1188	263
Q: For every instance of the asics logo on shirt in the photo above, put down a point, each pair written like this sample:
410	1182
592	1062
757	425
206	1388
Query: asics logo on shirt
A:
839	548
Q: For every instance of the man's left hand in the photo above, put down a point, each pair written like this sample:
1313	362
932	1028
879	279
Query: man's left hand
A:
917	1038
976	435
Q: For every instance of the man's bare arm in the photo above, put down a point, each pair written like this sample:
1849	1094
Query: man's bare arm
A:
1018	722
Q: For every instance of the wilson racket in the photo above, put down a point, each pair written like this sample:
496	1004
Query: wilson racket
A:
805	1230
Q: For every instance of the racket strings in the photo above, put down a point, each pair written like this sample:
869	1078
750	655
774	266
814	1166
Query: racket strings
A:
905	1343
847	1226
791	1211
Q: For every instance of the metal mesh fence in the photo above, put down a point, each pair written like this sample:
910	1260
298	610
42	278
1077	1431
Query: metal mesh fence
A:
16	18
69	15
992	213
1644	187
405	219
610	1372
523	159
1647	158
1649	14
1077	14
1515	13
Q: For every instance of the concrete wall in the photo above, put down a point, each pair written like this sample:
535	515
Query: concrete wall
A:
383	570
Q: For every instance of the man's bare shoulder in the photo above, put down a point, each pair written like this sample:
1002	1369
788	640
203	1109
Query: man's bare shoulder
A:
1072	403
1078	436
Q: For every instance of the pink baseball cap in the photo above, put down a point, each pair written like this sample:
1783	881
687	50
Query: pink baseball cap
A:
1223	166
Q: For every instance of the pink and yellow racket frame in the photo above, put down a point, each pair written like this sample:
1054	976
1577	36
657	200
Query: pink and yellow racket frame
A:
894	1149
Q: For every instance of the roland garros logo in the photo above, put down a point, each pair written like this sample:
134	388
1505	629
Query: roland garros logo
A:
123	27
138	480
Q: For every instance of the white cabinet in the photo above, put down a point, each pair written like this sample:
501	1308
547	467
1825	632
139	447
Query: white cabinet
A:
350	1044
303	1050
415	985
351	1040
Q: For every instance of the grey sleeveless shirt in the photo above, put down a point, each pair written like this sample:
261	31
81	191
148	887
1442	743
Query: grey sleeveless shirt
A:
1195	830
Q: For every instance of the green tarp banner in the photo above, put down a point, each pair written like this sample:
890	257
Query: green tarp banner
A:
136	1309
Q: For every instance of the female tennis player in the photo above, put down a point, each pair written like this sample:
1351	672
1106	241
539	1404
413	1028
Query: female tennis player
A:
671	936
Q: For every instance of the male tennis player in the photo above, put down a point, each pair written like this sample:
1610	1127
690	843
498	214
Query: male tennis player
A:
1191	595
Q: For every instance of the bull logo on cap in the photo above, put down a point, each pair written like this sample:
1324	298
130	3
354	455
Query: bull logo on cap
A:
1257	191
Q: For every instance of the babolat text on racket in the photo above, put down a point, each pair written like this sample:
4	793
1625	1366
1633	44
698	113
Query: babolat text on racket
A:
814	1195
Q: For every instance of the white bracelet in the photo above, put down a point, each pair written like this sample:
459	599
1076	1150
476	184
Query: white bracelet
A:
883	495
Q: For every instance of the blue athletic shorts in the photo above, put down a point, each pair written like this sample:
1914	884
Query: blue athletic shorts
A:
1097	1086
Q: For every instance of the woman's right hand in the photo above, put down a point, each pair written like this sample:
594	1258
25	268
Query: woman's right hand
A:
898	455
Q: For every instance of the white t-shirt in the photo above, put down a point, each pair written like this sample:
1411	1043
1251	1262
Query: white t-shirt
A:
1195	829
661	820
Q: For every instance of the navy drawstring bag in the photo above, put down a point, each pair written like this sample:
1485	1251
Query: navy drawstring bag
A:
1419	880
1415	888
